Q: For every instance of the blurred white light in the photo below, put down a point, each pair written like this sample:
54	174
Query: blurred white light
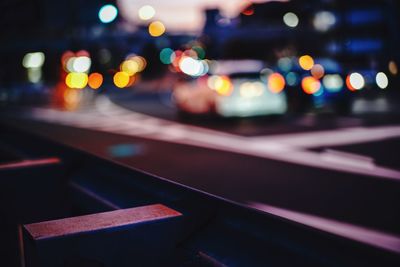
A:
81	64
357	81
382	80
291	19
251	89
324	20
190	66
108	13
333	82
205	68
146	12
33	60
34	75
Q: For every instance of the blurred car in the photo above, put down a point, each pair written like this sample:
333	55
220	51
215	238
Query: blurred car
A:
234	88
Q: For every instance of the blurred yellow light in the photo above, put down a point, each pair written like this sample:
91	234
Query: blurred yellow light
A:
156	28
276	83
146	12
310	85
121	79
306	62
318	71
95	80
138	60
76	80
131	67
223	86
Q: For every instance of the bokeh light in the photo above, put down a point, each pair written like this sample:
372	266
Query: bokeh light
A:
121	79
72	98
131	67
146	12
201	53
34	75
285	64
317	71
333	82
393	67
249	8
291	19
382	80
108	13
141	61
355	81
276	83
95	80
324	20
310	85
81	64
251	89
167	56
33	60
221	84
193	67
76	80
292	79
306	62
156	29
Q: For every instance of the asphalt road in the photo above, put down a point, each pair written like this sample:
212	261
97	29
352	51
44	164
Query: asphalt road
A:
341	169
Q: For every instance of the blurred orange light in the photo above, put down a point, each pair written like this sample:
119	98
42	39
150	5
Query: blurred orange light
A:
393	67
132	80
121	79
318	71
222	85
248	8
72	98
310	85
276	83
306	62
156	28
95	80
348	84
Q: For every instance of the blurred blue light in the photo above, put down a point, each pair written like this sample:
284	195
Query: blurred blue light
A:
124	150
361	17
108	13
359	46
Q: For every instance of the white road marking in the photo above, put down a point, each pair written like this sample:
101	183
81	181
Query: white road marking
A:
361	234
343	136
291	148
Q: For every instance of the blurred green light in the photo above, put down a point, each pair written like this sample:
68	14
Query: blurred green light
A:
200	51
167	55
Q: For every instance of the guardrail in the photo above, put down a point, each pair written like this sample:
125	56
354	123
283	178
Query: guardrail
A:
65	207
